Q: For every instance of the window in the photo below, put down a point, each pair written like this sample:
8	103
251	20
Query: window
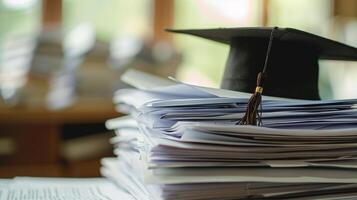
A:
109	18
204	60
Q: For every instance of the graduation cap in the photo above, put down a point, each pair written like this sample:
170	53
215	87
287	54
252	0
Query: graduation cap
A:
288	57
293	63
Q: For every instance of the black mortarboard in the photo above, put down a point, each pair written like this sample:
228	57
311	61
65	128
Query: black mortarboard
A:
292	70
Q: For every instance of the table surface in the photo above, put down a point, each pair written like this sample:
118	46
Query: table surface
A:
84	110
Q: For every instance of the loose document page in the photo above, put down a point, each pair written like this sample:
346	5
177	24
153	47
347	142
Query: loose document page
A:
25	188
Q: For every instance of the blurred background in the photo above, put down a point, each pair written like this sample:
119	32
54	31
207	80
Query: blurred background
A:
60	62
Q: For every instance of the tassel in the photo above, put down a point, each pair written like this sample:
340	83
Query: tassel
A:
252	115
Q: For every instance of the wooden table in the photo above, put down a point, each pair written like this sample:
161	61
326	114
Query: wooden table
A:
30	137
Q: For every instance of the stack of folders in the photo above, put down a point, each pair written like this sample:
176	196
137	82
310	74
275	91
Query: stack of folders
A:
183	142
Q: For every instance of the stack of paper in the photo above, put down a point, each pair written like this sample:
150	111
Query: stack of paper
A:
183	142
16	52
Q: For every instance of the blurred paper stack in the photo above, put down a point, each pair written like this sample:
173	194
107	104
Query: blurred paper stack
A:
15	60
184	142
57	58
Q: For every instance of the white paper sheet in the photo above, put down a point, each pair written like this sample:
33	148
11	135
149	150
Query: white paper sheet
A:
27	188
